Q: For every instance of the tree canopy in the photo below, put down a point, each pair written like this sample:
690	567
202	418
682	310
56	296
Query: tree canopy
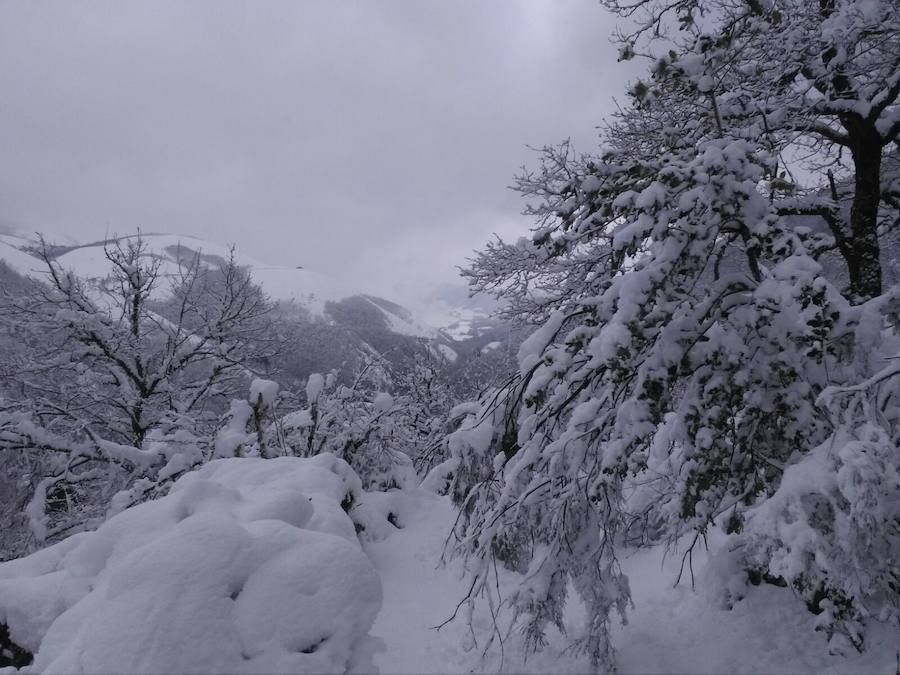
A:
704	358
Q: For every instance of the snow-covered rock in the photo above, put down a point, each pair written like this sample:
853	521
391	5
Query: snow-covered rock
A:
248	565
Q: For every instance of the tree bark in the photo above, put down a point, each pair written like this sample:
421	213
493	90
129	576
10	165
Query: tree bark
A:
864	262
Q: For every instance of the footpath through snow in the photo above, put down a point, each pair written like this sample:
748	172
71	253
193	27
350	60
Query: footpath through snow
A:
420	593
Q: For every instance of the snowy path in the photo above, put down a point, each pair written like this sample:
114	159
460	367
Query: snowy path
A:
670	630
417	594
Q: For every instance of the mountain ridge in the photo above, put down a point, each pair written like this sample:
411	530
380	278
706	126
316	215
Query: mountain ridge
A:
309	289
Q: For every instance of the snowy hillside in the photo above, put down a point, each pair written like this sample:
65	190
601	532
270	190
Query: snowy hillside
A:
460	315
305	287
17	259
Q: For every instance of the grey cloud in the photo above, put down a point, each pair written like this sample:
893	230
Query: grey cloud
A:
372	140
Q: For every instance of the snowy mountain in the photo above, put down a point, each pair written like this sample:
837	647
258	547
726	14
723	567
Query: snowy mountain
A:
305	288
13	252
459	315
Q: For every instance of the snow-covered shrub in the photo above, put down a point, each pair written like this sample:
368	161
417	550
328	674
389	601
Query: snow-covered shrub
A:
131	348
365	428
249	427
247	565
832	528
67	485
424	391
488	427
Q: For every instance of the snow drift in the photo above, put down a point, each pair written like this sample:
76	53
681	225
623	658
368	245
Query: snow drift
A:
247	565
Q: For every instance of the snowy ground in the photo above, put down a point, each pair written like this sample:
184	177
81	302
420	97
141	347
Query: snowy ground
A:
254	566
670	630
420	593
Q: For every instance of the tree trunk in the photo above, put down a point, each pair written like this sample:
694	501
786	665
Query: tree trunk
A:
864	262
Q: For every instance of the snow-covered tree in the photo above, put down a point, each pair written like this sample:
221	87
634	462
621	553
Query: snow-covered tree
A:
424	391
118	383
123	352
698	364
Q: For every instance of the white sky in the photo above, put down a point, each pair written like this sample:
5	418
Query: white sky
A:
372	139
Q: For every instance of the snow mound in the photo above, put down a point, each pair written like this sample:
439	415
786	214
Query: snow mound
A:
247	566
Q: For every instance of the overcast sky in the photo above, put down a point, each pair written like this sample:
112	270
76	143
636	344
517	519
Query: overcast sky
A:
372	140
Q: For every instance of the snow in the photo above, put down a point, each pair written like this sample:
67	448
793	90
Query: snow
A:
127	453
404	325
768	631
491	346
233	435
671	629
653	195
301	285
19	261
458	319
301	419
265	390
447	352
535	343
307	287
314	385
383	402
248	565
459	330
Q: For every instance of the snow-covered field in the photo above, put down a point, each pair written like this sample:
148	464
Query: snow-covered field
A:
253	565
